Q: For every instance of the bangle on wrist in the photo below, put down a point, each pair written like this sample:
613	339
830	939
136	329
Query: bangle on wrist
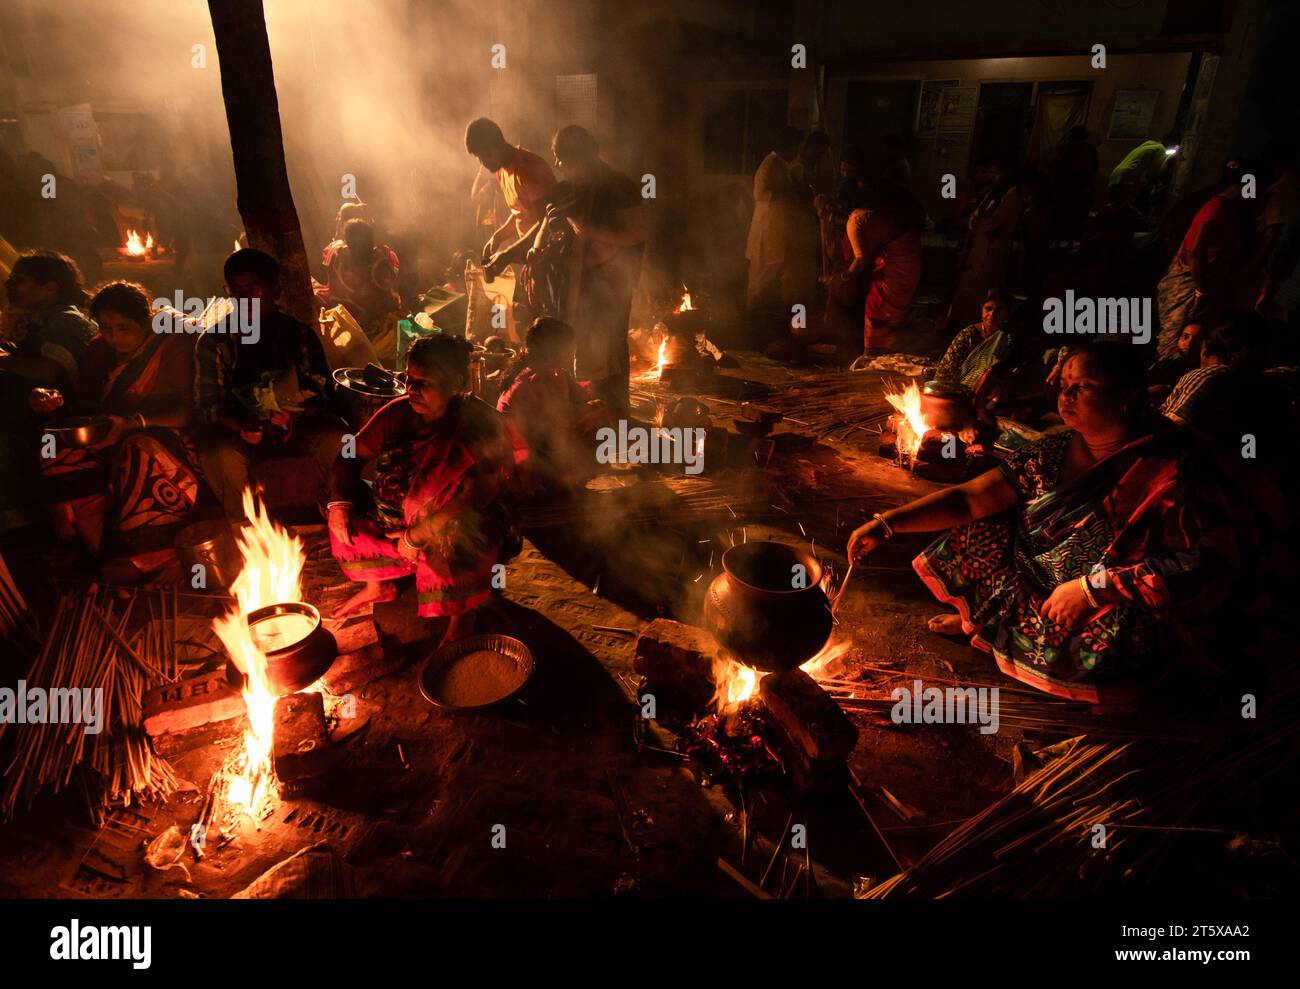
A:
406	539
1087	592
337	504
889	529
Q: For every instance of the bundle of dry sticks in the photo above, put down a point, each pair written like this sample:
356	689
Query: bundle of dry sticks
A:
86	651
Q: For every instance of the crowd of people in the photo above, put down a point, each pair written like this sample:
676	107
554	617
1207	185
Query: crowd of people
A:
1149	501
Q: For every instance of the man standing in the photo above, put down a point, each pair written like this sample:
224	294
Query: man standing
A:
607	216
771	229
524	179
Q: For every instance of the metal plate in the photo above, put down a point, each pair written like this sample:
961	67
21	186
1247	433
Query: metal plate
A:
434	674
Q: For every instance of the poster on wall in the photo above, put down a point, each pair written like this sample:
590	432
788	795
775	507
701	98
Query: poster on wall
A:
957	105
1131	116
927	116
79	127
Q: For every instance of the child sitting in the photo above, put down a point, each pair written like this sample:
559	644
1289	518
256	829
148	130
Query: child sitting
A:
555	413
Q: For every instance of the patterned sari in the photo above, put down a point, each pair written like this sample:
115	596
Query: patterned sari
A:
1152	515
420	468
144	487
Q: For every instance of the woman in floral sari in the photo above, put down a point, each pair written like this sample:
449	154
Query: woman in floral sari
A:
128	496
442	460
1081	559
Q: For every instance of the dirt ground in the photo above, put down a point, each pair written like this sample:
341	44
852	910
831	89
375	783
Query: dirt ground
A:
585	814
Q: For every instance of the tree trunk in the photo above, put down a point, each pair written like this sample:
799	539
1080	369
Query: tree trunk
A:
265	200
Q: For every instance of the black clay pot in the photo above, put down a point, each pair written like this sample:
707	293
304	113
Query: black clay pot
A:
307	652
767	607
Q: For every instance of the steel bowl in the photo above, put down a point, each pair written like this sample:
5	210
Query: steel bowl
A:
77	431
298	662
512	666
211	545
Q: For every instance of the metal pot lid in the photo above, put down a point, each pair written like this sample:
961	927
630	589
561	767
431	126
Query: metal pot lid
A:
945	389
372	381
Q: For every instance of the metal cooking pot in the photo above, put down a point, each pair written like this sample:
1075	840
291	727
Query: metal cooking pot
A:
300	661
767	607
79	431
212	545
947	406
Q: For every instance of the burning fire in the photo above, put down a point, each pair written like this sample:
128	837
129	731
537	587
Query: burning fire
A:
662	358
685	305
735	683
912	425
137	247
273	562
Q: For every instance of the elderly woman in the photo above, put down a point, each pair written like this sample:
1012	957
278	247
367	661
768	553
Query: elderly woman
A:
129	495
1078	559
442	460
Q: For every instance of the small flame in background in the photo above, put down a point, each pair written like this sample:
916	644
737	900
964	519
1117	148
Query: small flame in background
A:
136	246
238	245
736	683
685	305
273	562
911	425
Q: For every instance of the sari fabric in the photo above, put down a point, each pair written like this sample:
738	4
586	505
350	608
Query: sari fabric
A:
419	469
146	486
1152	515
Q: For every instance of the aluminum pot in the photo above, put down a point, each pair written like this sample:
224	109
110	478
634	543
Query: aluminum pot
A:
767	607
299	650
212	545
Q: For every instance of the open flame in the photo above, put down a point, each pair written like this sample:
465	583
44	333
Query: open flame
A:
138	246
662	359
735	683
911	423
273	562
685	305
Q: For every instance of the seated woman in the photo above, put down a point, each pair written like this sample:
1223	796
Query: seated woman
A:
128	496
362	276
977	348
552	411
1166	372
442	460
1078	559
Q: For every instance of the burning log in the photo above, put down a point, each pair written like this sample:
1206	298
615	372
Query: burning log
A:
677	662
815	734
300	733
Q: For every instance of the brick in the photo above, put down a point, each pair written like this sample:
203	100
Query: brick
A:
301	737
364	655
190	704
676	658
815	733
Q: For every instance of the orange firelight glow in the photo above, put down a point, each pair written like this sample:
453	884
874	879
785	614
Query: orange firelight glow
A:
136	246
273	562
685	305
662	358
911	424
735	683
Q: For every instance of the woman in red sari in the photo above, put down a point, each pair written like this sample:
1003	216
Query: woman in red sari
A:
442	460
128	496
